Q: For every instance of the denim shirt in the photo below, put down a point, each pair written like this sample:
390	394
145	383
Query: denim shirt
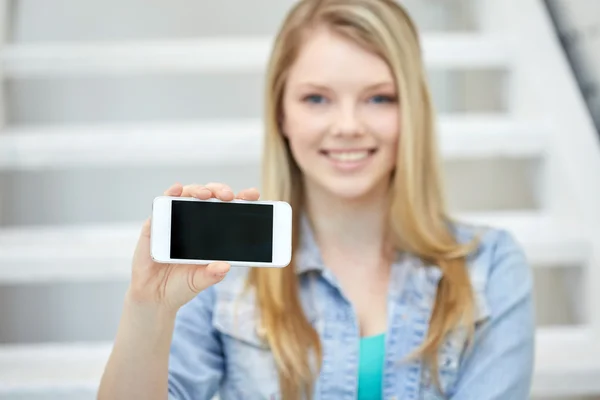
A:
216	348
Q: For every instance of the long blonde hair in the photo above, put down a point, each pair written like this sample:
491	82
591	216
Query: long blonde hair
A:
418	218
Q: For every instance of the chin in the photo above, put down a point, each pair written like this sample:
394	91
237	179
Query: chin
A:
350	190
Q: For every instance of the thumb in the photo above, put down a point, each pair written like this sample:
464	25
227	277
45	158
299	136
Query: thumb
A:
206	276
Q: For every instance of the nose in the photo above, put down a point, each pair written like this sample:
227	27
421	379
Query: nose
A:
347	121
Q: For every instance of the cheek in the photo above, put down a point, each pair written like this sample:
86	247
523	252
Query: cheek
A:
303	127
385	125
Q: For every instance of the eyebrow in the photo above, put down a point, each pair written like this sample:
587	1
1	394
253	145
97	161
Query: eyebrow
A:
381	84
324	87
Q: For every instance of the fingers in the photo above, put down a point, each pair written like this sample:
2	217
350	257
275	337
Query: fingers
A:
251	194
219	191
211	190
197	191
174	190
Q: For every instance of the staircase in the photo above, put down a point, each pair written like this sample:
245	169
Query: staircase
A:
105	105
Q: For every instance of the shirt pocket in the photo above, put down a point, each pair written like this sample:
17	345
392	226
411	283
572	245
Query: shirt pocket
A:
250	368
450	356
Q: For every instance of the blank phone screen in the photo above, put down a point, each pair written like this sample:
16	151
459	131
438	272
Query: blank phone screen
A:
221	231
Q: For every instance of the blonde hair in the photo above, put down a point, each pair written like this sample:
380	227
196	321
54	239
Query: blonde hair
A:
418	220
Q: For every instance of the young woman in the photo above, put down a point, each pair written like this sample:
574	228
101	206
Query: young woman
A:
386	296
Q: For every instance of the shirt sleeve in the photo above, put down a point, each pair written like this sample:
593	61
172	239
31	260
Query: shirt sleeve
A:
196	361
500	364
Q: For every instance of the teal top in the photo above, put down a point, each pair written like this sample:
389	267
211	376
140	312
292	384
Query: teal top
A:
370	367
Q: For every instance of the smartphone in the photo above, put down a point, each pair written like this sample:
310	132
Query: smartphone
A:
186	230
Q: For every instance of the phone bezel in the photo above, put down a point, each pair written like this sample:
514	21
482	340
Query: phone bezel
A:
161	232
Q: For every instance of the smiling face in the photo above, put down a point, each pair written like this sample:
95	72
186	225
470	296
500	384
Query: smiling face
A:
341	116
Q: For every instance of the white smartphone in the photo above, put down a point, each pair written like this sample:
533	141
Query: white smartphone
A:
243	233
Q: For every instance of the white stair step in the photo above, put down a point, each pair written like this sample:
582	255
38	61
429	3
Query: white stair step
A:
198	142
46	369
567	363
71	253
547	242
219	54
491	135
234	141
91	253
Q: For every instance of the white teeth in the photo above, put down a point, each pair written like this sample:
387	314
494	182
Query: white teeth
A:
349	156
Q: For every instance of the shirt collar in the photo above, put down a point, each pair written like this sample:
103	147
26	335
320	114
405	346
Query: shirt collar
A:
308	255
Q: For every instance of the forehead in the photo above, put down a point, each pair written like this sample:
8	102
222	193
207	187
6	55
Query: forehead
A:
328	57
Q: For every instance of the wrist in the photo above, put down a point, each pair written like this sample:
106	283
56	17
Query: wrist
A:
148	314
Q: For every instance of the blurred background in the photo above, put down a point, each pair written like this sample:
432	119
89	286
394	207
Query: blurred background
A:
104	104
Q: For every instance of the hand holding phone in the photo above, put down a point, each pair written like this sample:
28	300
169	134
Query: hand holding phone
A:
239	232
172	285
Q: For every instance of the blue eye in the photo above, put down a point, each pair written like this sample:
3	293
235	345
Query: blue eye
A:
315	98
383	99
